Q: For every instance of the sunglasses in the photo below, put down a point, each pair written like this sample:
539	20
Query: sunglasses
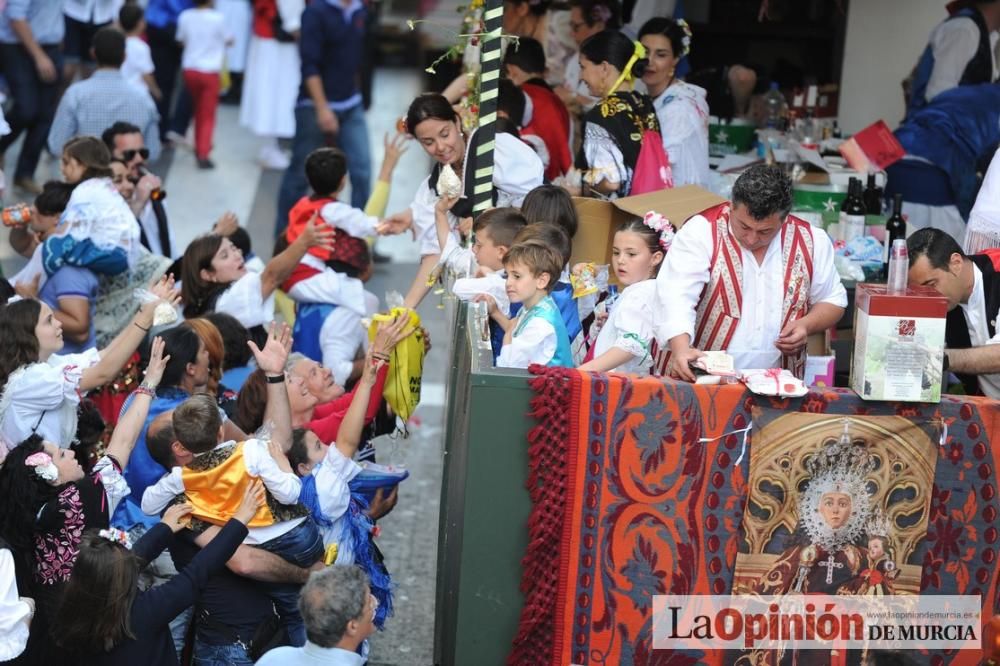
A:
129	155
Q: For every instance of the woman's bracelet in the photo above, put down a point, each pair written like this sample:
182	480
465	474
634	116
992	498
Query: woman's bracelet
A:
381	356
275	379
145	330
142	389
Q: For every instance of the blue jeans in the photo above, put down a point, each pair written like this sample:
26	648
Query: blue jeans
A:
352	139
220	655
302	546
34	104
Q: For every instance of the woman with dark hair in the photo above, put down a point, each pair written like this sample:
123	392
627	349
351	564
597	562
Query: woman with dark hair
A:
436	125
216	279
681	108
212	339
50	501
237	361
614	129
133	627
41	388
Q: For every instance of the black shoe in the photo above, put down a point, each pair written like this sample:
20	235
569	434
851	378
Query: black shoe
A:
380	258
206	164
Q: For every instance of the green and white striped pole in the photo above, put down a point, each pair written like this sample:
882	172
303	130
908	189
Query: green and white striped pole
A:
489	85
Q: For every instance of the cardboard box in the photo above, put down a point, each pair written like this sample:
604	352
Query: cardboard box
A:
898	344
600	219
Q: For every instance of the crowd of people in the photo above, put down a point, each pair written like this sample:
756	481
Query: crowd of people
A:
177	459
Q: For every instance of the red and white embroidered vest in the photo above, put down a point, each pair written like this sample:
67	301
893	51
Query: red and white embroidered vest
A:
721	301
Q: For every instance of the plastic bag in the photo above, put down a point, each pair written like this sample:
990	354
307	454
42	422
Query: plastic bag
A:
164	313
406	364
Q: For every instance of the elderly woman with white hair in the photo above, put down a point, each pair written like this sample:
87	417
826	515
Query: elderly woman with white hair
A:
339	613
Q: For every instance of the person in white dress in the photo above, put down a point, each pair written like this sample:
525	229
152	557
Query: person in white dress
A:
624	341
41	388
273	74
517	170
681	108
983	230
216	278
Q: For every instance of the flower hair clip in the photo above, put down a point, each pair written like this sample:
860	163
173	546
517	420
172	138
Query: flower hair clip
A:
116	535
45	469
686	39
661	224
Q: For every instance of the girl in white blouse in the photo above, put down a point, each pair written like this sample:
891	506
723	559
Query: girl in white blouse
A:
623	344
42	388
681	108
216	279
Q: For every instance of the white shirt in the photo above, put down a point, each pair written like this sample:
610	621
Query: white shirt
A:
954	43
535	342
984	220
243	300
283	486
630	327
683	114
342	336
15	615
979	334
351	220
494	285
138	61
457	258
686	271
329	286
43	398
333	475
94	12
311	655
516	171
150	226
204	34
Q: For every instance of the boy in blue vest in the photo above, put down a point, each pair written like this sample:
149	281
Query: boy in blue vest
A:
537	334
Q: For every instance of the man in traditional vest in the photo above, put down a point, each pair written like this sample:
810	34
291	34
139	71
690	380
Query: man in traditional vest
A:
960	52
747	278
971	283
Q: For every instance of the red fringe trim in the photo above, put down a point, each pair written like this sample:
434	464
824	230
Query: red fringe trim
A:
547	485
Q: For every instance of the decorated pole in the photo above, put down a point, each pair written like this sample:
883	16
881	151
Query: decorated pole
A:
489	85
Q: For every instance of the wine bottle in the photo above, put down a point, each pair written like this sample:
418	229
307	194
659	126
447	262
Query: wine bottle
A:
895	226
852	213
873	197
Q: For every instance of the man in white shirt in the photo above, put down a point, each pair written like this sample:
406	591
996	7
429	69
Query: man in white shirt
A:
961	51
747	278
971	283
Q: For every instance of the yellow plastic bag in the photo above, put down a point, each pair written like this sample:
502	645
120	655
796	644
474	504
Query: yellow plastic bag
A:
406	364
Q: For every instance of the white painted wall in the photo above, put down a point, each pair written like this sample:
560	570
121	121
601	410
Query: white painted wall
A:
884	40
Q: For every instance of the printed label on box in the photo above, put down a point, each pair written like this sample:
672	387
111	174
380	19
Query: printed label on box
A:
898	358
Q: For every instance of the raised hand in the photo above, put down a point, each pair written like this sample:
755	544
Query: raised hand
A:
394	148
165	291
157	363
279	456
318	233
445	203
253	499
390	334
177	517
227	224
272	358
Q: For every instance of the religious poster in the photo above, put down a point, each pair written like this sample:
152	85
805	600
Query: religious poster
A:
837	505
